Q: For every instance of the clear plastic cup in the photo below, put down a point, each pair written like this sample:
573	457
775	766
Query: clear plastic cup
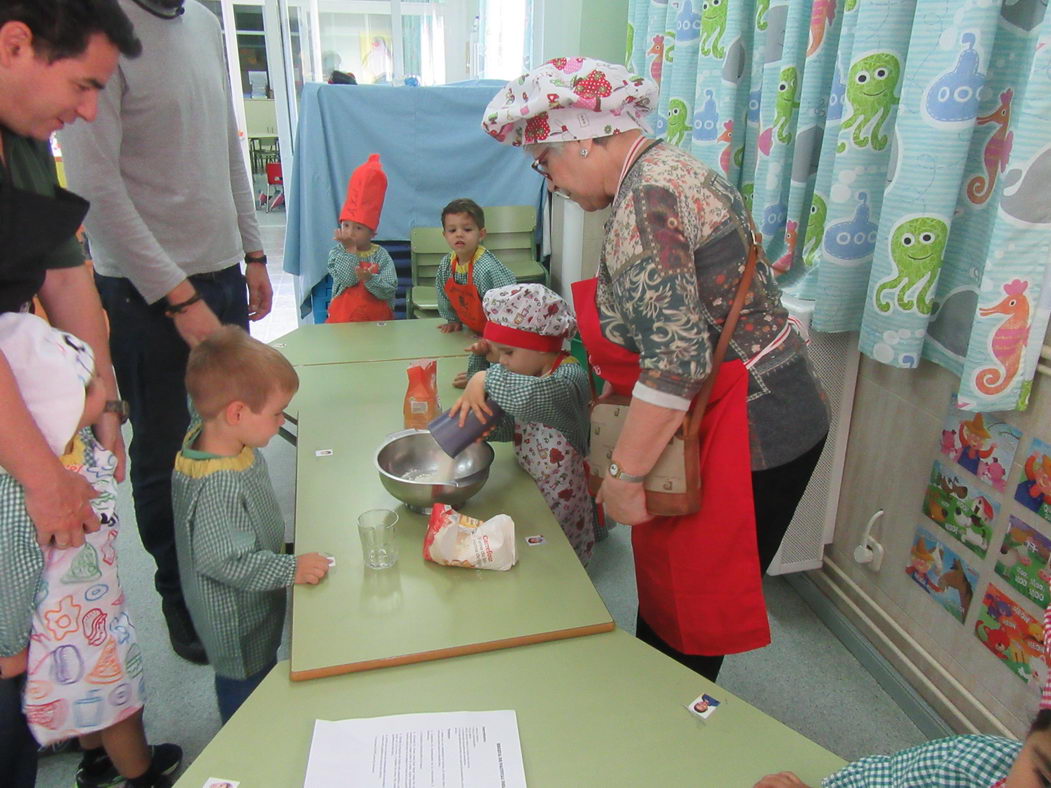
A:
379	546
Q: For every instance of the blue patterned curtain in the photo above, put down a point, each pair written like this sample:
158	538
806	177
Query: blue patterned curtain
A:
895	155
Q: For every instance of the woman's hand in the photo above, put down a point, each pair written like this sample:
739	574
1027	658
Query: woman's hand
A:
625	501
473	399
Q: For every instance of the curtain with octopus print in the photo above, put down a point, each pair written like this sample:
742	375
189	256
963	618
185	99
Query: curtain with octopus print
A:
896	158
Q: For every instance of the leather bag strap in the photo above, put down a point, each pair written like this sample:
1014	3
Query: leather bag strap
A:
692	423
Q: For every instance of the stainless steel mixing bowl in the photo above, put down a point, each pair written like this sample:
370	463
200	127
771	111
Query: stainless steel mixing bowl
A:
412	453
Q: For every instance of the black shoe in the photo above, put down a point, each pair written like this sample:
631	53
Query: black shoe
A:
183	636
164	761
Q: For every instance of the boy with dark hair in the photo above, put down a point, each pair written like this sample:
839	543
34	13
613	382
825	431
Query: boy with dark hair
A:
228	528
469	271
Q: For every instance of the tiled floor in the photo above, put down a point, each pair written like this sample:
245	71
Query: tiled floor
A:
282	317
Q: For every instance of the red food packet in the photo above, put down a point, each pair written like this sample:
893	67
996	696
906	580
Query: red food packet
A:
421	398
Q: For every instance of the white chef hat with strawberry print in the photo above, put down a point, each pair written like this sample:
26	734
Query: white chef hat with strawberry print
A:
576	98
529	316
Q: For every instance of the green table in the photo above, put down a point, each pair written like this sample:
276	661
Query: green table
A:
605	710
359	618
341	343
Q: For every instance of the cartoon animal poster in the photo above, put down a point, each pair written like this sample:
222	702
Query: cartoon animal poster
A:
981	444
1024	555
942	573
1012	634
960	509
1034	488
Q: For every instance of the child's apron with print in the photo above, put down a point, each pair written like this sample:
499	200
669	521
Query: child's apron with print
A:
558	470
357	305
698	576
85	668
465	299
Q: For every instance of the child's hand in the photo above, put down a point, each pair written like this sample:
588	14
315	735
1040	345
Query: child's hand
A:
460	381
365	273
343	235
473	399
14	665
482	348
310	568
448	328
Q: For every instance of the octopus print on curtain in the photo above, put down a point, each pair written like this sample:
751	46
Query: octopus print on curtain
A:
895	156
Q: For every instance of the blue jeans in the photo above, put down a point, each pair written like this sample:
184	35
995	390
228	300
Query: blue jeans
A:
149	358
231	693
17	745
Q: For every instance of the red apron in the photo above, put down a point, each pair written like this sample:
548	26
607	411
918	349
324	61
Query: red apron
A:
465	299
698	576
358	305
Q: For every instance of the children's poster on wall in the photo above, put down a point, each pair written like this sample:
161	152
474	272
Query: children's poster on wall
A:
942	573
960	509
1013	635
1023	560
980	443
1034	488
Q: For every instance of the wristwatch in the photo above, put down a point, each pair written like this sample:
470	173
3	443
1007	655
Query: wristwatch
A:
118	406
616	472
255	258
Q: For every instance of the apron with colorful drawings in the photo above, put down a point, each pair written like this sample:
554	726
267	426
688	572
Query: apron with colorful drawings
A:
85	667
698	576
558	470
465	299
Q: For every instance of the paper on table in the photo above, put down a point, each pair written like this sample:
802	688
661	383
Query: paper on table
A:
472	749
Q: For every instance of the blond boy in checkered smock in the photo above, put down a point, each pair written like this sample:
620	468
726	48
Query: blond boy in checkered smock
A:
229	532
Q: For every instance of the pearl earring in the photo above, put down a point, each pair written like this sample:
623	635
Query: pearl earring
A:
583	153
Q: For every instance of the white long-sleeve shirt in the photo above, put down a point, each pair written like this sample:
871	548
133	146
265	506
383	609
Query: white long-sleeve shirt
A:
162	164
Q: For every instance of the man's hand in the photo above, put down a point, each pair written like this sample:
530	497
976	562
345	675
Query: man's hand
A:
260	292
310	568
14	665
61	509
196	323
107	431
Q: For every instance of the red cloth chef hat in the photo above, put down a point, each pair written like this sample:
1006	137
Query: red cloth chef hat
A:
365	192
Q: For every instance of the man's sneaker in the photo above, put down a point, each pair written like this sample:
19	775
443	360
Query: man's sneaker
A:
164	759
183	636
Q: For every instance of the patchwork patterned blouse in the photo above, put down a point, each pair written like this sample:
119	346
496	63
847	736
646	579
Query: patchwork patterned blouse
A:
675	247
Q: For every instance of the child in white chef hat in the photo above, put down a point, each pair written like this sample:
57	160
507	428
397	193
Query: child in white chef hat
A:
544	393
84	667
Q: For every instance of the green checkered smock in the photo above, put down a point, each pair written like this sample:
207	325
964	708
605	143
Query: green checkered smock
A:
343	268
229	534
559	400
954	762
21	563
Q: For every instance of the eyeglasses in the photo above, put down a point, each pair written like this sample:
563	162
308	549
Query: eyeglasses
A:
540	165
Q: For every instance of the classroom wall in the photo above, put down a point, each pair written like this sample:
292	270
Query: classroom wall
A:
897	425
596	28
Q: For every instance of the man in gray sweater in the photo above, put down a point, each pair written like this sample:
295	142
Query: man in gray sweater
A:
172	211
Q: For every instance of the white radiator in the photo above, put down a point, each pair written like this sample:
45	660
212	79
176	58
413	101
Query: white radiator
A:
835	358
